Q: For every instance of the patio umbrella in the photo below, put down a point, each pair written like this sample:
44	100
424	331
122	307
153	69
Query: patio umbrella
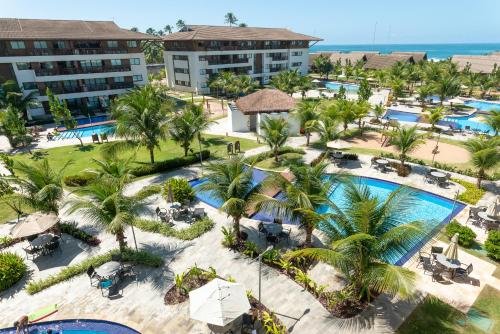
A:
218	302
338	144
316	81
35	223
451	252
493	210
170	195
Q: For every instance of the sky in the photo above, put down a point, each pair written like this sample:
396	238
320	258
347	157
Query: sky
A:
337	22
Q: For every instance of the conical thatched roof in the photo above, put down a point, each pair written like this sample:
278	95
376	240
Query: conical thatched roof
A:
265	101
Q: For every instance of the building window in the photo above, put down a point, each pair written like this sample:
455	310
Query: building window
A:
182	83
116	62
59	45
90	63
40	44
46	65
132	44
202	58
119	79
93	102
112	44
181	70
23	66
297	53
17	45
135	61
297	64
29	85
178	57
203	85
203	71
137	77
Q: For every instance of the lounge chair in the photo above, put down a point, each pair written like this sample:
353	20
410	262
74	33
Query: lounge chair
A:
160	212
104	137
237	146
95	138
463	272
93	276
424	260
473	214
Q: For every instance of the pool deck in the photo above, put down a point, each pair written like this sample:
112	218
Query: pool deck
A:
83	126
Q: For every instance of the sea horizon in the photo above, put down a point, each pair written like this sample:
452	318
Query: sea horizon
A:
434	50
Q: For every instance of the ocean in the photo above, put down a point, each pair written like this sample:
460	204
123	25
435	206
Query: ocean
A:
434	51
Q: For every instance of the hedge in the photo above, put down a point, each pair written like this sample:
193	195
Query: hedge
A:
188	233
75	232
472	194
269	154
492	245
128	255
166	165
7	241
12	269
79	180
466	235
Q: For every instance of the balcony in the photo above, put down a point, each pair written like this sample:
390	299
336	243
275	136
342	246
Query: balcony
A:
88	88
81	70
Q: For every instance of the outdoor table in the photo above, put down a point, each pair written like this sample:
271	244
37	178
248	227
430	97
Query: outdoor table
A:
382	162
108	269
336	155
175	205
438	174
484	215
449	264
42	240
273	229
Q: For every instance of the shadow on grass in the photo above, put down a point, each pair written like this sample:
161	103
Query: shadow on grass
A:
86	148
213	141
38	155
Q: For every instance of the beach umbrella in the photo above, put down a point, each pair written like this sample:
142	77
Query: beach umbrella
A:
170	195
218	303
316	81
35	223
451	252
338	144
493	210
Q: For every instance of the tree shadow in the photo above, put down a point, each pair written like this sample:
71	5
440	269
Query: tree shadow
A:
38	155
86	148
213	141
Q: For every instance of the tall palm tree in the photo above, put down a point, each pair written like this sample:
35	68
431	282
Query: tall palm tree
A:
274	131
187	125
397	87
230	182
180	24
111	167
446	86
307	114
405	140
323	65
40	187
244	84
435	116
328	129
381	77
103	204
361	110
366	230
302	196
12	95
485	84
168	29
230	19
471	80
493	120
378	111
142	116
485	154
287	81
424	92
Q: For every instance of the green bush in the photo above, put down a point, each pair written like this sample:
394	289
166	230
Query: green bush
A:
269	154
128	255
147	191
166	165
181	189
75	232
78	180
12	269
466	236
471	194
7	241
188	233
492	245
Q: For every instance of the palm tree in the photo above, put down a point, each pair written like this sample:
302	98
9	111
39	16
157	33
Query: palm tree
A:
180	24
340	110
230	182
435	116
142	116
378	111
306	112
493	120
423	93
328	129
485	154
472	80
485	84
12	95
230	19
302	196
187	125
40	187
111	167
103	203
274	131
406	140
397	87
361	110
287	81
446	86
244	84
381	77
168	29
366	230
323	65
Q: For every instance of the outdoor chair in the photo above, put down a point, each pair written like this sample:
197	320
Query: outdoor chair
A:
160	212
93	276
424	260
437	272
237	146
51	247
272	239
495	226
127	270
285	235
95	138
463	272
108	286
199	213
166	219
436	250
262	229
33	252
247	323
104	137
473	214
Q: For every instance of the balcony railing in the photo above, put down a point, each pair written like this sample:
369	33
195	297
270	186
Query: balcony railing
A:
81	70
52	52
278	58
88	88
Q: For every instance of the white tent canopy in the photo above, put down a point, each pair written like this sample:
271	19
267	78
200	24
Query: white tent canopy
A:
493	210
338	144
452	251
35	223
218	302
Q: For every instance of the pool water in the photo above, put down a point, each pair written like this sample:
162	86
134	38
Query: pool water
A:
432	209
95	119
76	326
336	86
87	131
401	116
482	105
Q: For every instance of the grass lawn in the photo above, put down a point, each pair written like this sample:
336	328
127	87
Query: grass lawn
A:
280	166
82	156
435	316
7	214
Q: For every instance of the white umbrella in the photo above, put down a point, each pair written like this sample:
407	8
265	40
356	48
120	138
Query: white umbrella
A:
493	210
316	81
218	302
451	252
338	144
35	223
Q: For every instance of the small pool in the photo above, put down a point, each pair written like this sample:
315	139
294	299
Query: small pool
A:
87	131
76	326
432	209
467	123
95	119
482	105
401	116
336	86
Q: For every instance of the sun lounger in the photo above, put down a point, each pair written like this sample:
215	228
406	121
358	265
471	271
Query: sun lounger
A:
42	313
95	138
104	137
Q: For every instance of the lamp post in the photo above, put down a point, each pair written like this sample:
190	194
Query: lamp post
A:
260	266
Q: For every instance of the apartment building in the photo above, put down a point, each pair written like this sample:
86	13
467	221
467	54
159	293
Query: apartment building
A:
198	52
86	63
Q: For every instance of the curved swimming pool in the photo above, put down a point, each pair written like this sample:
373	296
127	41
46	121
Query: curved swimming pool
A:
333	85
430	208
76	326
483	105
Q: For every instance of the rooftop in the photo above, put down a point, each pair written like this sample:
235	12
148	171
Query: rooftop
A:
265	101
223	33
478	64
12	28
377	61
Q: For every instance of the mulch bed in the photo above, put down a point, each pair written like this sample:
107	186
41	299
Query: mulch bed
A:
176	296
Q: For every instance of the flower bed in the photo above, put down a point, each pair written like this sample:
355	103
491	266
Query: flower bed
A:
75	232
189	233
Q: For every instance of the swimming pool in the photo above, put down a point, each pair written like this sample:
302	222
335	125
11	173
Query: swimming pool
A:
482	105
336	86
87	131
95	119
401	116
432	209
76	326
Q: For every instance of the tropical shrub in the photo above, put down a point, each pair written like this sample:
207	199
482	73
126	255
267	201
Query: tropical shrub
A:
12	269
472	194
147	191
189	233
78	180
269	154
492	245
466	236
271	326
181	189
75	232
6	241
166	165
229	237
251	249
